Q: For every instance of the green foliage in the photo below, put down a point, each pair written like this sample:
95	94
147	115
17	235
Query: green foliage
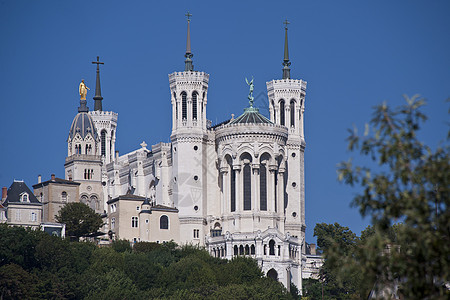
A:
15	282
412	184
121	245
335	241
80	219
35	265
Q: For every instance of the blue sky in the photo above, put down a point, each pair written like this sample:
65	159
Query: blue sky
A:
353	54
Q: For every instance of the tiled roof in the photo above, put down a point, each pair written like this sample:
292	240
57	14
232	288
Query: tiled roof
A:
16	189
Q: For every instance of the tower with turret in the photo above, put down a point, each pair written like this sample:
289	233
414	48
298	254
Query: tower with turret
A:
83	162
189	137
287	105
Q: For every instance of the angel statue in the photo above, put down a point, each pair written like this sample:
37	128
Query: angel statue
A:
250	93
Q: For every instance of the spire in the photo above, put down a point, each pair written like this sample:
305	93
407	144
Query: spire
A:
98	92
286	62
188	62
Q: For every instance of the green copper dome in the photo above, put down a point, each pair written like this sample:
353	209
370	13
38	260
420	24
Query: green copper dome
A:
251	115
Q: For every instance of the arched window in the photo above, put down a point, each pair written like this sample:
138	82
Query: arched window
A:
77	149
274	112
272	247
262	187
94	203
64	197
252	250
164	222
194	105
84	199
282	112
103	139
272	274
236	250
176	105
292	107
184	105
233	190
247	250
241	250
110	144
247	187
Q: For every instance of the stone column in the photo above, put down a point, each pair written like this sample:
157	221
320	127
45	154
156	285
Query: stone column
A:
238	188
255	187
189	109
225	190
272	189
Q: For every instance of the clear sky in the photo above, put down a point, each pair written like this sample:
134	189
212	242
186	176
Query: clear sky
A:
353	54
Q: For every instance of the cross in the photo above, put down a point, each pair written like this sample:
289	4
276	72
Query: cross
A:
188	15
98	62
286	23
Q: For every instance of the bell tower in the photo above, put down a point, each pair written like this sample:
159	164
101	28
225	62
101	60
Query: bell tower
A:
287	106
189	91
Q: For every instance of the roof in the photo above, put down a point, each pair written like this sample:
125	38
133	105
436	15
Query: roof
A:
15	191
163	208
251	115
56	181
126	197
83	124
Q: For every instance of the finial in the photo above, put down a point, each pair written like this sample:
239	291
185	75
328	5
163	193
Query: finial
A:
286	62
188	62
98	91
82	89
250	93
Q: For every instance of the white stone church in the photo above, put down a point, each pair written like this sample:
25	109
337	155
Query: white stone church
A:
236	188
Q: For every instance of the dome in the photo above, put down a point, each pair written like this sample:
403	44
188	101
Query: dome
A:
83	124
251	115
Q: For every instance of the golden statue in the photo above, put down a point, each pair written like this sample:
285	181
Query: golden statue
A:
83	90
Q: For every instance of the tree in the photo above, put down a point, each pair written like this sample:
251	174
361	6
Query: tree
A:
335	241
411	185
80	219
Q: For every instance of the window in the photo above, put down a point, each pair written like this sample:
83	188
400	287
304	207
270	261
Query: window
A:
94	203
282	112
137	208
84	199
252	250
113	223
292	107
184	105
164	222
103	140
25	198
263	187
196	233
272	247
33	217
233	190
247	188
77	149
194	105
134	222
18	215
64	197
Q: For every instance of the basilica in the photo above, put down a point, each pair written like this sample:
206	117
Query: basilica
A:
235	188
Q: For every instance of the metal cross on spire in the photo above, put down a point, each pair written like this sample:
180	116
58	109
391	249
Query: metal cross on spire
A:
98	92
286	62
188	66
188	15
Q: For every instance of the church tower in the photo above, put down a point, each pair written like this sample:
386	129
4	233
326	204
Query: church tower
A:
105	124
83	162
189	145
287	106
